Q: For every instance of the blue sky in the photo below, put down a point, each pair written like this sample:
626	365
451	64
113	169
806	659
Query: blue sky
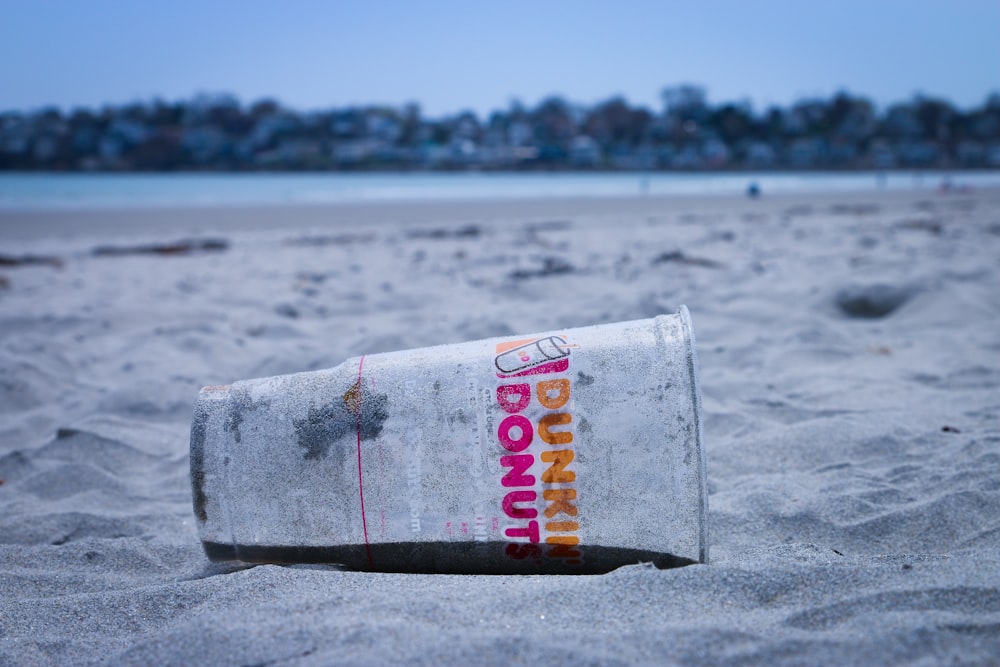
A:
449	56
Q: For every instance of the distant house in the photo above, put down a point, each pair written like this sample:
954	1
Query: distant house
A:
918	153
715	152
902	122
993	155
664	155
351	152
45	147
109	150
688	157
843	153
267	128
584	152
15	135
806	152
760	154
464	151
520	133
881	155
433	155
204	143
291	152
347	123
383	126
129	132
642	157
971	154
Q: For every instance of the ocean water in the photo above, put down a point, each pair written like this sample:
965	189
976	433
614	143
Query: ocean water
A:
21	191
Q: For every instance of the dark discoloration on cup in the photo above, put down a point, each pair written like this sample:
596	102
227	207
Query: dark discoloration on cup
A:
199	421
238	405
198	466
359	410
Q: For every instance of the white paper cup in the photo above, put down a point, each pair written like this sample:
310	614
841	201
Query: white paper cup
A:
572	451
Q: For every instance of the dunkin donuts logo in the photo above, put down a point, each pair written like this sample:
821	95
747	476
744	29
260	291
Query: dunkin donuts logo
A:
536	435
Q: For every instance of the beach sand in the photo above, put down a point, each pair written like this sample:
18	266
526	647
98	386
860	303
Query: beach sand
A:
850	365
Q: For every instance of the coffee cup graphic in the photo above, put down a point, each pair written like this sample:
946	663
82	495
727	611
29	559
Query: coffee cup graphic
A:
532	354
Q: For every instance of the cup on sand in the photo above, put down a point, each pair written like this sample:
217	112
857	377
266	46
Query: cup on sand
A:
570	451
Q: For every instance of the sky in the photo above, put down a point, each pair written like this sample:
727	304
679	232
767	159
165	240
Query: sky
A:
450	56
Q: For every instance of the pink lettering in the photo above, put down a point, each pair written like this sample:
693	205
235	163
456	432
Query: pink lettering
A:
530	531
521	442
513	398
515	512
518	464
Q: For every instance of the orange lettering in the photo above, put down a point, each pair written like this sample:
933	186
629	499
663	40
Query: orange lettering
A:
555	419
545	388
562	527
555	474
559	502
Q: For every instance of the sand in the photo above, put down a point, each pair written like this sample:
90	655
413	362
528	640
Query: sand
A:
850	357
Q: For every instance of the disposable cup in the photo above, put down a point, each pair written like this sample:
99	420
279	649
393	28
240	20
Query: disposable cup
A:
570	451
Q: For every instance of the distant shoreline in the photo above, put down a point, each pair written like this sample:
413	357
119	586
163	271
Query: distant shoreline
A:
222	219
29	191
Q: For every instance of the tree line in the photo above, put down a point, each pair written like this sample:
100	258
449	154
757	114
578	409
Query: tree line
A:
218	133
